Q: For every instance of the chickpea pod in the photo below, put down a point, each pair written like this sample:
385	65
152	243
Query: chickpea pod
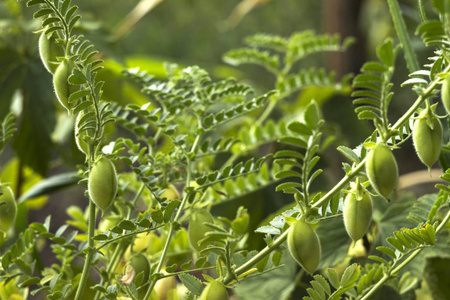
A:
381	168
214	291
445	94
197	229
427	137
304	245
102	184
62	87
8	208
357	212
49	50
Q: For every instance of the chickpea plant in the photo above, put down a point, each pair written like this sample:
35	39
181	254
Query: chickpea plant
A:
167	230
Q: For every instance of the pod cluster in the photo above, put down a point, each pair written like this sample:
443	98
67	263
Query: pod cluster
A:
49	51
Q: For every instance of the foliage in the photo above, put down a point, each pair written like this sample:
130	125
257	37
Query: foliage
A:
187	144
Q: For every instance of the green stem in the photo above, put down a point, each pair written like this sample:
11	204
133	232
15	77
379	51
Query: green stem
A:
172	228
63	22
400	28
340	185
188	271
124	236
161	261
90	252
229	161
422	10
272	103
376	287
255	259
426	93
121	247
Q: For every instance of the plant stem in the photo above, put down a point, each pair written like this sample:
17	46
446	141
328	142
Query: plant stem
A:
272	102
117	254
379	284
255	259
426	93
422	10
172	228
90	252
400	28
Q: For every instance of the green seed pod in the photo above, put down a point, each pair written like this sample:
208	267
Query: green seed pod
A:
102	184
357	212
8	208
63	88
304	245
381	168
140	264
445	94
427	137
196	228
214	291
49	50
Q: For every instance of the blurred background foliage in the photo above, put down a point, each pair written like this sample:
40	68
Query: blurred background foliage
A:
146	34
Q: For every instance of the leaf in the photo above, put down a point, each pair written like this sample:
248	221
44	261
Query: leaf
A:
191	283
268	229
157	216
351	274
126	225
349	154
288	186
437	276
24	267
35	147
170	208
333	277
12	76
402	33
387	251
249	55
261	265
299	128
393	241
50	185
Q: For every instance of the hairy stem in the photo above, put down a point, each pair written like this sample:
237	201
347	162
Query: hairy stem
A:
90	252
121	247
255	259
172	227
272	103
